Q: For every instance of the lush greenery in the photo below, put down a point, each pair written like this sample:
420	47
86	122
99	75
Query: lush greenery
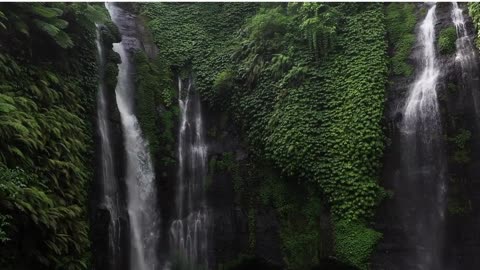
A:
302	83
350	129
446	40
354	243
400	21
48	81
474	11
309	103
157	108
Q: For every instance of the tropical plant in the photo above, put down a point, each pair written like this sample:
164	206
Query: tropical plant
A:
45	107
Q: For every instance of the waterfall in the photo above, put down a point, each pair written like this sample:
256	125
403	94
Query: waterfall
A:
466	56
423	170
109	193
189	231
139	177
421	110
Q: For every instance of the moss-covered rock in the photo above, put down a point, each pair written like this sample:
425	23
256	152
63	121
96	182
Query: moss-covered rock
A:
446	40
400	22
354	243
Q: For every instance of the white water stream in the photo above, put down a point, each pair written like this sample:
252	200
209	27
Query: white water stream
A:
189	231
139	177
423	176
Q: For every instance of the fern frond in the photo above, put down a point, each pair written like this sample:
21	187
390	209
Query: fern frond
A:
45	12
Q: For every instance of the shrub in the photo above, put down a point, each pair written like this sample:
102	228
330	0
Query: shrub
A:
446	40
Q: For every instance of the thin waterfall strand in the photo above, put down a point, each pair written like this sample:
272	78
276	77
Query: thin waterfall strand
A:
189	232
466	56
108	178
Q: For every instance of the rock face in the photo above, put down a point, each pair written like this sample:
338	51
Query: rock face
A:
99	215
231	232
462	237
230	229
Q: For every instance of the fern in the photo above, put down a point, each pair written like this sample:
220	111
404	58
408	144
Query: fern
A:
31	17
45	132
45	12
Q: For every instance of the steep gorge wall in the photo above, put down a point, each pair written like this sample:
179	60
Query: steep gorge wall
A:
137	42
250	197
460	124
47	107
259	176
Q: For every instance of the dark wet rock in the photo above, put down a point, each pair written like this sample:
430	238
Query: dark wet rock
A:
462	237
332	264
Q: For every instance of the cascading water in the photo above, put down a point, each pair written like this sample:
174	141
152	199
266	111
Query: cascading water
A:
189	231
423	171
421	113
466	56
109	195
139	177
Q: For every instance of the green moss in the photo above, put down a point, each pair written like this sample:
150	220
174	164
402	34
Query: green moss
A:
446	40
242	261
224	84
452	88
458	203
212	164
199	39
474	11
351	134
354	243
227	164
400	22
154	82
252	230
461	143
298	207
315	115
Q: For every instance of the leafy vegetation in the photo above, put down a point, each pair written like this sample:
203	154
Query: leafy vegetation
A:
257	185
201	42
459	203
303	82
474	12
155	90
446	40
48	79
400	21
461	142
299	208
311	104
354	243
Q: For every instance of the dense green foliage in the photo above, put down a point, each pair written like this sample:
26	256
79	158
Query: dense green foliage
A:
305	242
200	41
303	82
282	111
351	134
354	243
446	40
311	104
298	206
154	91
459	203
474	12
400	21
47	97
